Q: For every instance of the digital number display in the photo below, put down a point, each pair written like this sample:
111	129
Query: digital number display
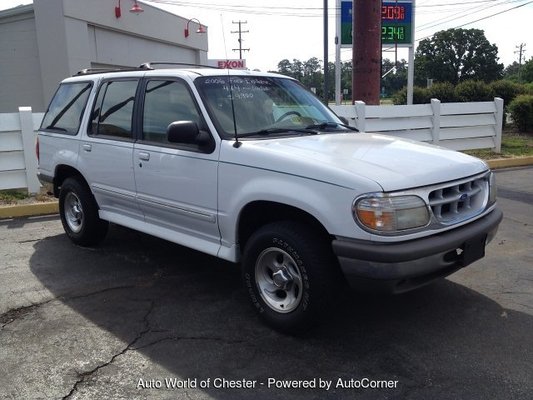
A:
396	23
392	33
396	27
395	13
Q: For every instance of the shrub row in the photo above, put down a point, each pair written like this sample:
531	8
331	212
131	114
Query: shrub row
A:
465	91
518	99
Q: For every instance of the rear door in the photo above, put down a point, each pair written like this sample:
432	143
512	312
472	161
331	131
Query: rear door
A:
176	182
106	153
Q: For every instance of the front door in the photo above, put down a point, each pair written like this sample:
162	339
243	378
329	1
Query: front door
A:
176	183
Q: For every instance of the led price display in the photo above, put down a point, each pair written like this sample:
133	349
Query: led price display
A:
396	23
395	12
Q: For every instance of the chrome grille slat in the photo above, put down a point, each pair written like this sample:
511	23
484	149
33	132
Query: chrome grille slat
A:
460	201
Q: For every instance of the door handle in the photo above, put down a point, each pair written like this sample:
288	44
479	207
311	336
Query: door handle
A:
87	147
144	156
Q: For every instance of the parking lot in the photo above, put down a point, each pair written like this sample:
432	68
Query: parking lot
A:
138	317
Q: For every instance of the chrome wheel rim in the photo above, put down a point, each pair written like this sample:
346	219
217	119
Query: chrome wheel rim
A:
279	280
73	212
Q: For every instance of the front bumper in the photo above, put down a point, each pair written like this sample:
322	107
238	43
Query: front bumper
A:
403	266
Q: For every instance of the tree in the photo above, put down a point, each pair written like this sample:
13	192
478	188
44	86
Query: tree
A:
455	55
526	73
394	76
511	71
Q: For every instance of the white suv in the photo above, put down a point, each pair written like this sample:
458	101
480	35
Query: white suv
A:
252	168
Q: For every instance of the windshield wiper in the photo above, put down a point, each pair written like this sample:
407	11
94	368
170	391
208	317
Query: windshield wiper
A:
269	131
326	125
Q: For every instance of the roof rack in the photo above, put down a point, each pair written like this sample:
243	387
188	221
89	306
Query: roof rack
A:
149	65
143	67
90	71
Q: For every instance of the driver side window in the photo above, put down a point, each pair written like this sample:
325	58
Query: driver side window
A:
166	101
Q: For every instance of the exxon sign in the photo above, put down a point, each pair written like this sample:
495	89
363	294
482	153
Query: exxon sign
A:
228	64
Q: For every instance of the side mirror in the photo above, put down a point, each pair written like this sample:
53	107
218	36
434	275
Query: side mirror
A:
183	132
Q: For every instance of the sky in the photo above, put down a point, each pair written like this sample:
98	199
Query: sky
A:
279	29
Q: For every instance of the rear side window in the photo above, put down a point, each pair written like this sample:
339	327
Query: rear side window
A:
65	111
113	110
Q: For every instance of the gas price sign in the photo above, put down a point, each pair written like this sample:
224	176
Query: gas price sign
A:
396	23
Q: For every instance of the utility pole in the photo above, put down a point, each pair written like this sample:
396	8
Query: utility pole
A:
326	60
240	32
366	74
521	50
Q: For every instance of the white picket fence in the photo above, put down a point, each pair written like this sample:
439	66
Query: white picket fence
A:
18	161
458	126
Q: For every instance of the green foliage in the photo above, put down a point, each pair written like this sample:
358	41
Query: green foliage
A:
11	196
521	110
444	91
528	88
507	90
456	55
526	72
395	76
420	96
473	91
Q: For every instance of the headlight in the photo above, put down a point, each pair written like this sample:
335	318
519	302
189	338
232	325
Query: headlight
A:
493	190
388	214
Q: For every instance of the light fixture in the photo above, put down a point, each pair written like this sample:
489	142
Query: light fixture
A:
136	9
118	11
201	28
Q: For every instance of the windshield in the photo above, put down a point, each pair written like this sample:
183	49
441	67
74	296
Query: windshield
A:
263	105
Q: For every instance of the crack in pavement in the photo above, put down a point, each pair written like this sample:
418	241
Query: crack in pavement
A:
181	338
87	374
12	315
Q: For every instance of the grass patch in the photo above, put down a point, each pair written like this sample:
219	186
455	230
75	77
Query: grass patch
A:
12	196
513	145
20	196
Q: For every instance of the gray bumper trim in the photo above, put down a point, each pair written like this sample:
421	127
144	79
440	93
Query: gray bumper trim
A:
399	267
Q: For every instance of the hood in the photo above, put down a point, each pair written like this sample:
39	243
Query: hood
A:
351	159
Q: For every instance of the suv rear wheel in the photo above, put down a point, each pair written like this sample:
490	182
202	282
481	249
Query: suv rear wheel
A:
79	214
290	274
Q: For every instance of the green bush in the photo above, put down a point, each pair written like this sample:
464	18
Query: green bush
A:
528	88
420	96
473	91
444	91
521	109
507	90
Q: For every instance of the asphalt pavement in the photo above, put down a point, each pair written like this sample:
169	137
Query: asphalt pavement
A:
138	317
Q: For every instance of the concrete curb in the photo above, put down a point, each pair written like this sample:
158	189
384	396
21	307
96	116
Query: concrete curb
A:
28	210
499	163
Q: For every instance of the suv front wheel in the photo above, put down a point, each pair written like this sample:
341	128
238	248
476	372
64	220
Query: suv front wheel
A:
79	214
290	275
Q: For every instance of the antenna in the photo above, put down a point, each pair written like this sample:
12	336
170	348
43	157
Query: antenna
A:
237	144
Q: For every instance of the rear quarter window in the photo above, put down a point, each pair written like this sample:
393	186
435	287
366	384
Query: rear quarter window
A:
65	111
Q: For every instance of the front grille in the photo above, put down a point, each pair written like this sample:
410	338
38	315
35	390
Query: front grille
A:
461	201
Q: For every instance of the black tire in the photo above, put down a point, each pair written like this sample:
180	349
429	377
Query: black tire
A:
79	214
291	275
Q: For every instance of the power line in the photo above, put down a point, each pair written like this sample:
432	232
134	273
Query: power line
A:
462	14
484	18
